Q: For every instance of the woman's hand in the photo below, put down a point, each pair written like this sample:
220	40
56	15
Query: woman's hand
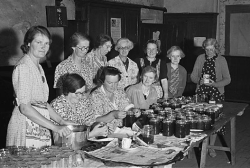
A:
63	130
119	114
137	112
99	130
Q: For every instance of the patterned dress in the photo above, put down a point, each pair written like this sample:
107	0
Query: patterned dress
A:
102	105
92	58
30	86
129	75
209	68
83	115
68	66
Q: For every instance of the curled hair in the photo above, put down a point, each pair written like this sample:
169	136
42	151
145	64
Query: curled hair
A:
129	43
149	69
71	83
175	48
30	35
152	42
77	37
101	40
211	42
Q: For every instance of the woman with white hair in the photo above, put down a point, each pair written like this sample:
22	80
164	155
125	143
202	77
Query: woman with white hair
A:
129	69
212	65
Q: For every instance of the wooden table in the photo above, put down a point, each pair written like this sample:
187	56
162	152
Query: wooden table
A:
230	110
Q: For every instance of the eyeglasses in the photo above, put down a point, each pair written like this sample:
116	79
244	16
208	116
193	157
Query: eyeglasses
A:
83	48
209	49
79	94
124	48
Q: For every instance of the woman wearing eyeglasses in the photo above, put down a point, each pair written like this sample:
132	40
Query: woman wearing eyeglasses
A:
76	62
214	66
97	57
74	104
152	49
129	69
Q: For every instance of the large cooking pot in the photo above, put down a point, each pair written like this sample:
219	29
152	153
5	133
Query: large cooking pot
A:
75	140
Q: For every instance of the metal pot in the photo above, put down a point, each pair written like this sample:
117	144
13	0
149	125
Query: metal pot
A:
75	140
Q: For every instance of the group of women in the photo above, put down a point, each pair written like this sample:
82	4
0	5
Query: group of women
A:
92	89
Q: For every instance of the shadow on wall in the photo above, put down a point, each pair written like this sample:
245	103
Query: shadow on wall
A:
8	46
56	48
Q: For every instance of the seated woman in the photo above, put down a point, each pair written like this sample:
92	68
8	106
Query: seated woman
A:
143	94
74	105
177	74
110	102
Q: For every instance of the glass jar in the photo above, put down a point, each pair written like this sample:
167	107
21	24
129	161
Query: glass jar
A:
187	127
211	113
156	125
148	134
129	119
200	123
180	131
207	122
160	118
193	123
168	127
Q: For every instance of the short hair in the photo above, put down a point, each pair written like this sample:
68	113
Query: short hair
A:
77	37
101	40
71	83
152	42
109	70
149	69
211	42
175	48
124	40
30	35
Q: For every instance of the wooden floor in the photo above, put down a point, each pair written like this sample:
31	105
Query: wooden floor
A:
242	147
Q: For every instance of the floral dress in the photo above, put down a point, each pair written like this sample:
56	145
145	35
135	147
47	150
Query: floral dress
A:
68	66
96	62
209	68
102	105
129	75
83	114
30	87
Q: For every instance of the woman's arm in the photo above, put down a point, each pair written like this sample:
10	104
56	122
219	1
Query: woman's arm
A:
226	79
35	116
195	76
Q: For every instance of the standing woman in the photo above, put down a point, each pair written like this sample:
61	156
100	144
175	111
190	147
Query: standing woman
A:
151	51
213	64
129	69
97	57
177	74
30	121
76	63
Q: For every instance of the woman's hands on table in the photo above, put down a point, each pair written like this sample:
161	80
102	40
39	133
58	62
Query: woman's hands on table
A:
119	114
99	130
62	130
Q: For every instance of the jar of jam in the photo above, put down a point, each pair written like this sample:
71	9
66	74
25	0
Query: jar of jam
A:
156	126
162	113
207	122
129	119
200	110
180	131
160	118
211	113
168	127
187	127
148	134
200	123
144	117
180	116
193	123
157	109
